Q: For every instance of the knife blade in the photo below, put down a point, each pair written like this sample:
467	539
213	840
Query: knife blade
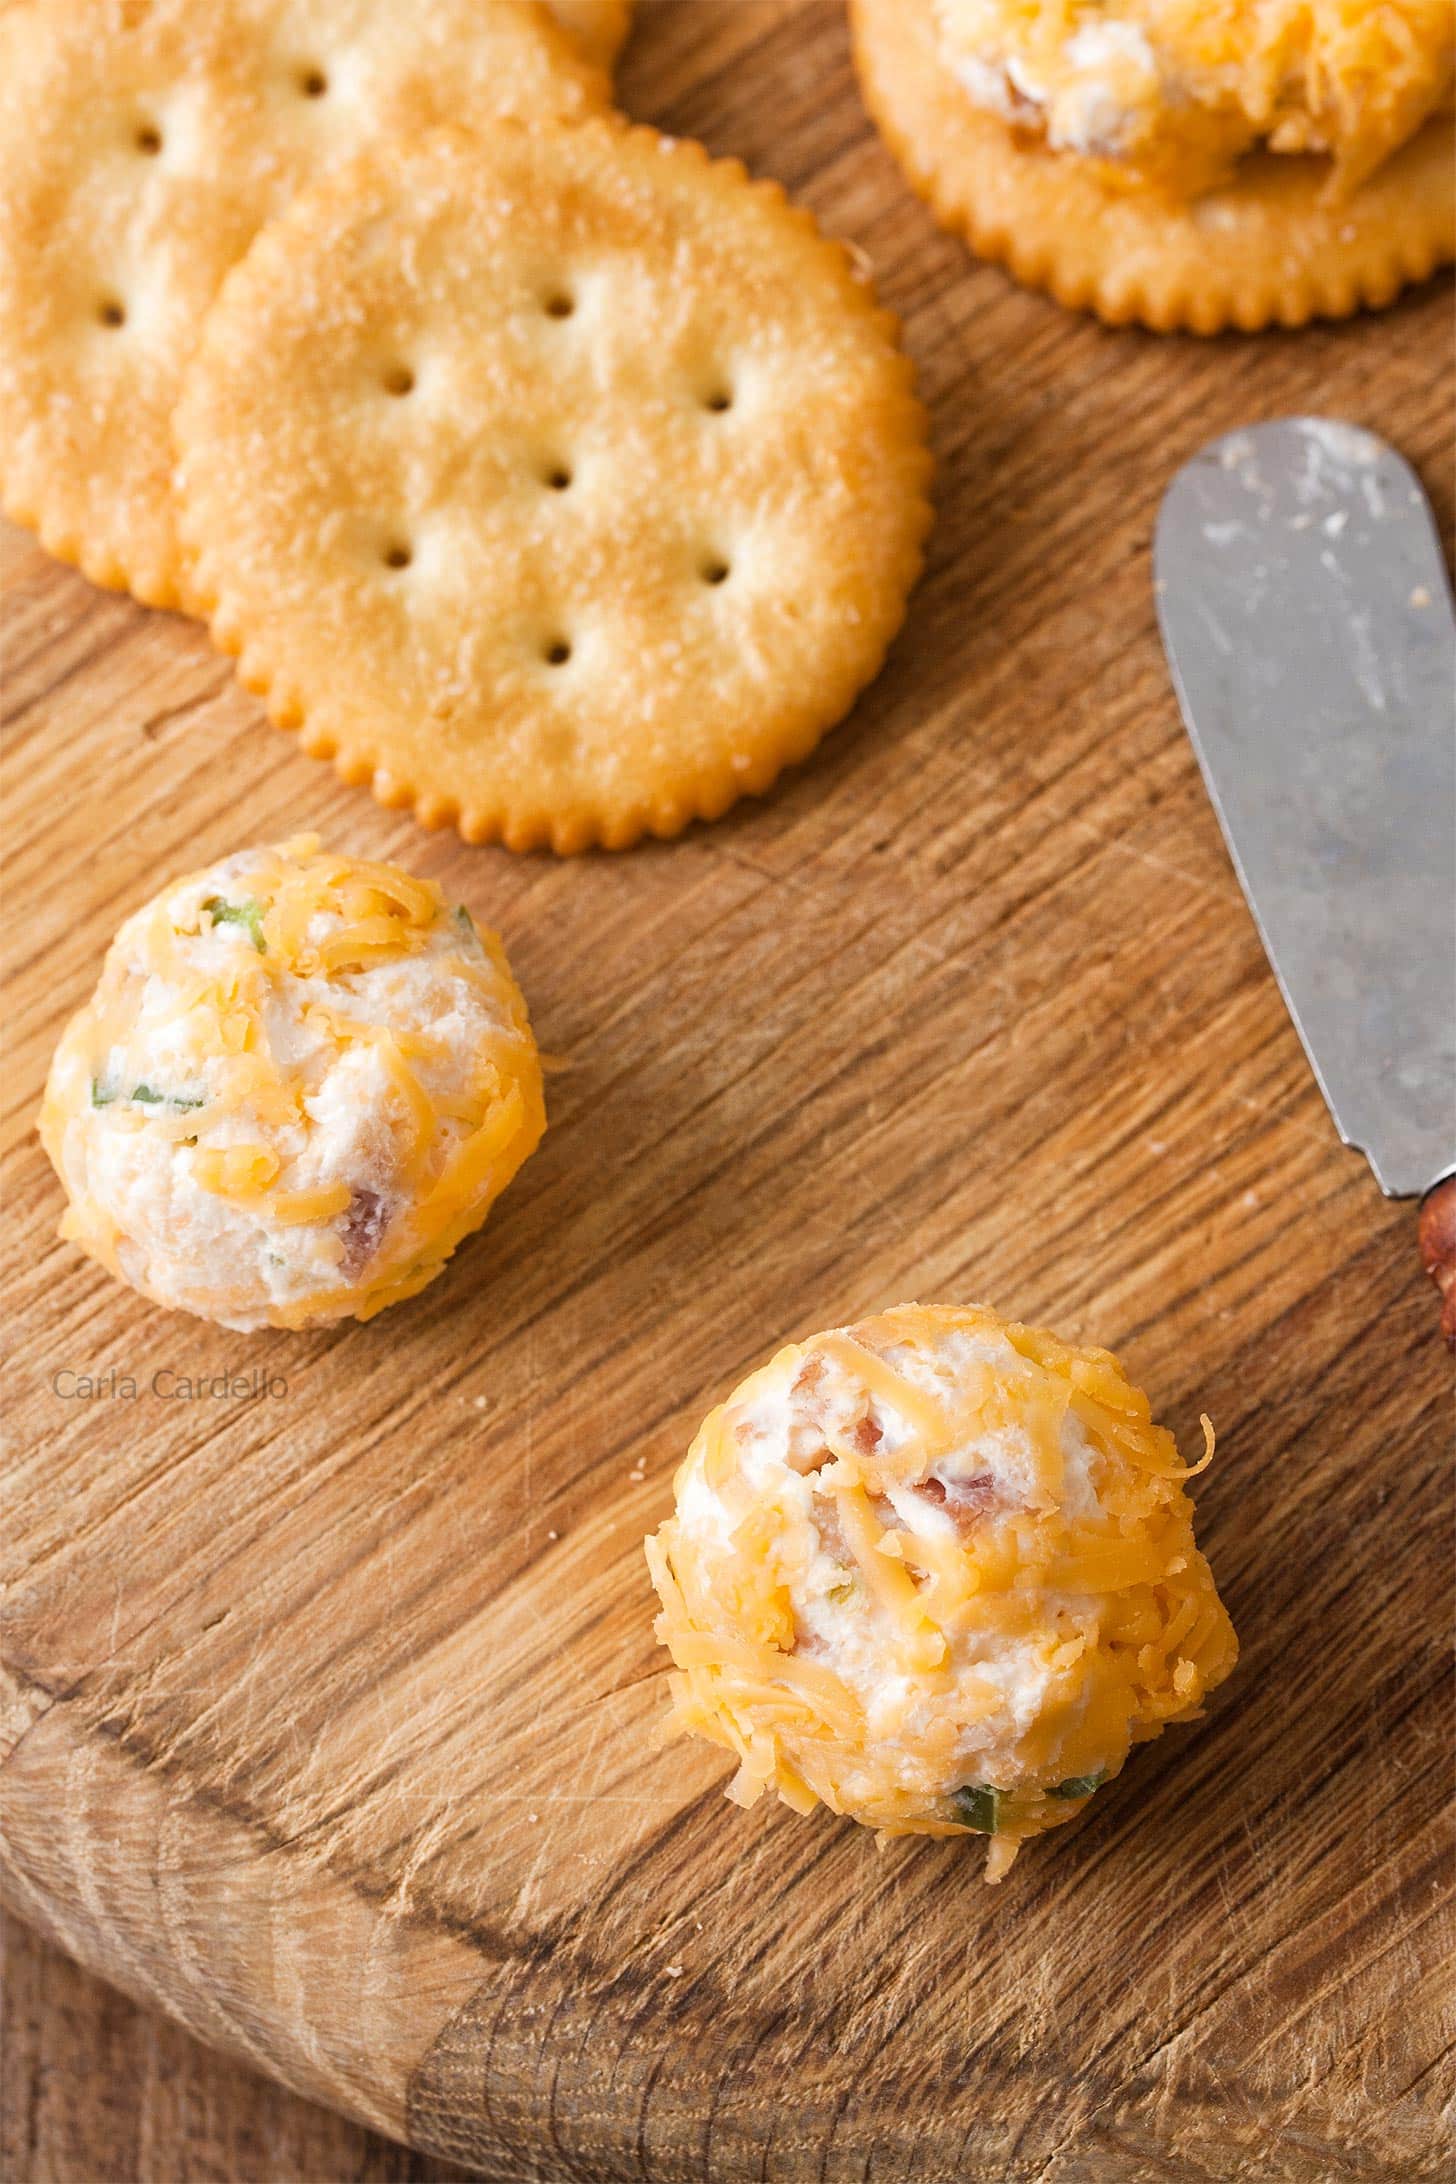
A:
1308	621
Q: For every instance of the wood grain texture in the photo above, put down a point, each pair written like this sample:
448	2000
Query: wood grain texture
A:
94	2090
1437	1238
324	1711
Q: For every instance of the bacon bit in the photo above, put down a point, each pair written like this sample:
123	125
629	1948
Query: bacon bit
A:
831	1534
809	1376
362	1229
965	1501
865	1435
807	1451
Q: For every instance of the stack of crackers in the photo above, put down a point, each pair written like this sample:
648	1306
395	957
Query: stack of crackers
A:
556	480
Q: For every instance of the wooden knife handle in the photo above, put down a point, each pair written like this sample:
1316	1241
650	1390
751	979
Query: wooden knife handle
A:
1437	1236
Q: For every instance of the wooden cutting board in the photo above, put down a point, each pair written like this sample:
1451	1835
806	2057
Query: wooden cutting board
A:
327	1698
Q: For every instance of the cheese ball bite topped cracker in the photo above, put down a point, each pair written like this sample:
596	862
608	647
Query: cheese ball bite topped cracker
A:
143	144
1176	163
302	1080
1178	92
937	1571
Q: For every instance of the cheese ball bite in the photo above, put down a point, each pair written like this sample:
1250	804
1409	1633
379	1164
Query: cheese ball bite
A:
1177	93
937	1572
302	1079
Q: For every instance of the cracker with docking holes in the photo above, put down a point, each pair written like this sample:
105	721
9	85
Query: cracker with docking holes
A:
143	143
1209	217
566	485
599	26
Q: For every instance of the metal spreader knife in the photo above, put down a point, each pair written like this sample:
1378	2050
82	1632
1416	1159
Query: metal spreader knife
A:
1308	621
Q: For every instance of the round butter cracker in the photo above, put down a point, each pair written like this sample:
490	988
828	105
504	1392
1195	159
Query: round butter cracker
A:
565	485
1272	248
143	144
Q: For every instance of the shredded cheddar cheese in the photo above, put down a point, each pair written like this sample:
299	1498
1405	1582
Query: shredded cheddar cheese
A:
1175	92
936	1572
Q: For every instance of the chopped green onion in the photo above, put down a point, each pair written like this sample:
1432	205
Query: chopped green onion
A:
978	1806
1080	1785
102	1095
463	917
181	1101
248	913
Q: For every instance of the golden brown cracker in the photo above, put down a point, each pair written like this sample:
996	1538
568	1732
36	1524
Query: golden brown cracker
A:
1270	248
143	143
565	484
